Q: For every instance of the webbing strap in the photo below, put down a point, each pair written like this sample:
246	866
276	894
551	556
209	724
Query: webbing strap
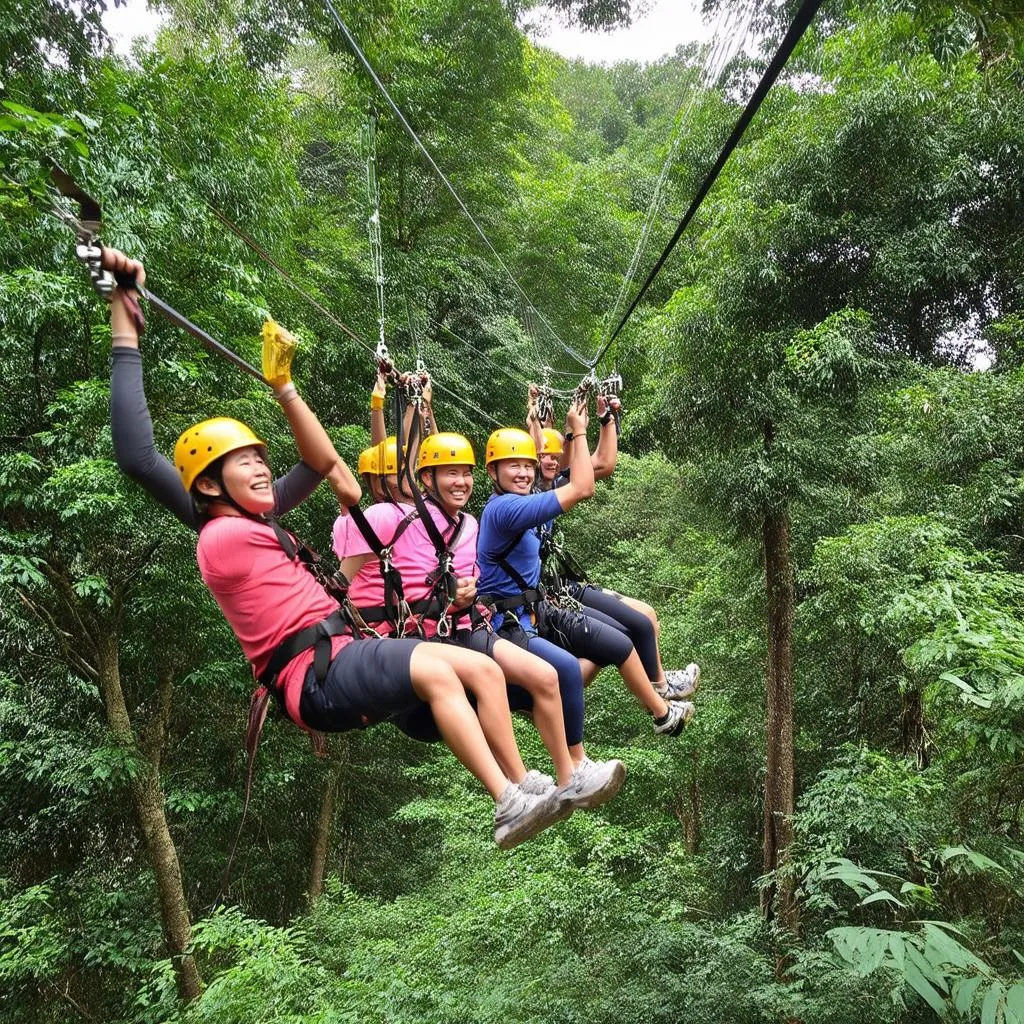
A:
334	625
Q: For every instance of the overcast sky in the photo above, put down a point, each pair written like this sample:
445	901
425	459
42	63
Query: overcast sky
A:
667	24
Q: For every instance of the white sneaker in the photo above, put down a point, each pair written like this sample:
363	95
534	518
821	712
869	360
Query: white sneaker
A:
594	782
536	783
519	816
677	719
680	684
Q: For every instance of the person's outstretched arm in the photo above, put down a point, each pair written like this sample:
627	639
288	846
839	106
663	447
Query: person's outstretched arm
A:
315	446
378	427
606	454
130	423
428	422
581	469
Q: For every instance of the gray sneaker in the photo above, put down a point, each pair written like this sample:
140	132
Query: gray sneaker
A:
594	783
519	816
536	783
677	719
680	684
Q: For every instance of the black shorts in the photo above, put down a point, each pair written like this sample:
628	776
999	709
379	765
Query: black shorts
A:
418	723
368	681
480	640
583	635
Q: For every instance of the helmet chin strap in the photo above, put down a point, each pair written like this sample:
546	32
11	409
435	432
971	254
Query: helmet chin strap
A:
217	476
432	489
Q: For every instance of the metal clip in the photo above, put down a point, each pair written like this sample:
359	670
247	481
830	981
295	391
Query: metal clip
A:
611	385
91	255
444	626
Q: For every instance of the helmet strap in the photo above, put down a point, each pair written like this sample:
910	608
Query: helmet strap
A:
217	476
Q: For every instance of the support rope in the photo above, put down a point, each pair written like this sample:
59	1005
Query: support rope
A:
799	26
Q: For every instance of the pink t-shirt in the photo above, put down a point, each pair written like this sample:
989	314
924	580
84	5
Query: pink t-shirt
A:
264	595
413	556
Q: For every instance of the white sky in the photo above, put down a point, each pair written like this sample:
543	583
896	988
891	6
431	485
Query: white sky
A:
666	25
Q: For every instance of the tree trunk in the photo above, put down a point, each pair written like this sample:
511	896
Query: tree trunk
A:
780	766
912	728
322	837
148	797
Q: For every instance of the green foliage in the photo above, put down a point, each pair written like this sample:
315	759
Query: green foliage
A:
810	349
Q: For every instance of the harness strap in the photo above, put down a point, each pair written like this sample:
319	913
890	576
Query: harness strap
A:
334	583
317	636
394	589
378	613
528	598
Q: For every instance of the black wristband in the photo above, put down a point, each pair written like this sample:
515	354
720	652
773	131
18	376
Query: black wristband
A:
568	437
605	417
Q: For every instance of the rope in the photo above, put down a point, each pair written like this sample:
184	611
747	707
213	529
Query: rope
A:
373	222
266	257
727	39
800	23
368	68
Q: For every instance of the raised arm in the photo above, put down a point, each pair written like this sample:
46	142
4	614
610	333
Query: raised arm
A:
428	421
315	446
378	428
130	423
606	454
581	469
533	423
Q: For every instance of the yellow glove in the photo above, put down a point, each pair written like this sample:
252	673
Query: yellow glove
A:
278	349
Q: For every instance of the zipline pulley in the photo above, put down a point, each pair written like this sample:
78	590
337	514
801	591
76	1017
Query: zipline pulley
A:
87	226
586	387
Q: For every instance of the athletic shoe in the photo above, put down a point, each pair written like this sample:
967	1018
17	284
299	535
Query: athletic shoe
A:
680	684
675	720
536	783
594	782
519	816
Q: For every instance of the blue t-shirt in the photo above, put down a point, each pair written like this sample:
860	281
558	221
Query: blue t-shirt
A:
505	517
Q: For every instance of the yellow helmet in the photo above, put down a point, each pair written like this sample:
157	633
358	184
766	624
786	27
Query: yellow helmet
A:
552	442
445	450
510	443
390	457
206	442
369	460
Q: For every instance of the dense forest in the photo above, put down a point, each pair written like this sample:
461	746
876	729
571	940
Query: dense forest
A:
821	490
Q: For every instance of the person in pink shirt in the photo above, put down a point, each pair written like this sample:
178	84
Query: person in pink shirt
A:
445	471
291	629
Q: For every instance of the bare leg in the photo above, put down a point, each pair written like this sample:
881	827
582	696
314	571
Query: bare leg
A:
540	680
589	669
437	683
634	676
483	678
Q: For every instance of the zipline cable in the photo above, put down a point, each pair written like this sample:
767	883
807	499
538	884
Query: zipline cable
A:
516	378
373	223
727	39
267	258
410	131
797	28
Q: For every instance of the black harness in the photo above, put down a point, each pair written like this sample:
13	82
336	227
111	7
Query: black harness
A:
317	636
396	610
